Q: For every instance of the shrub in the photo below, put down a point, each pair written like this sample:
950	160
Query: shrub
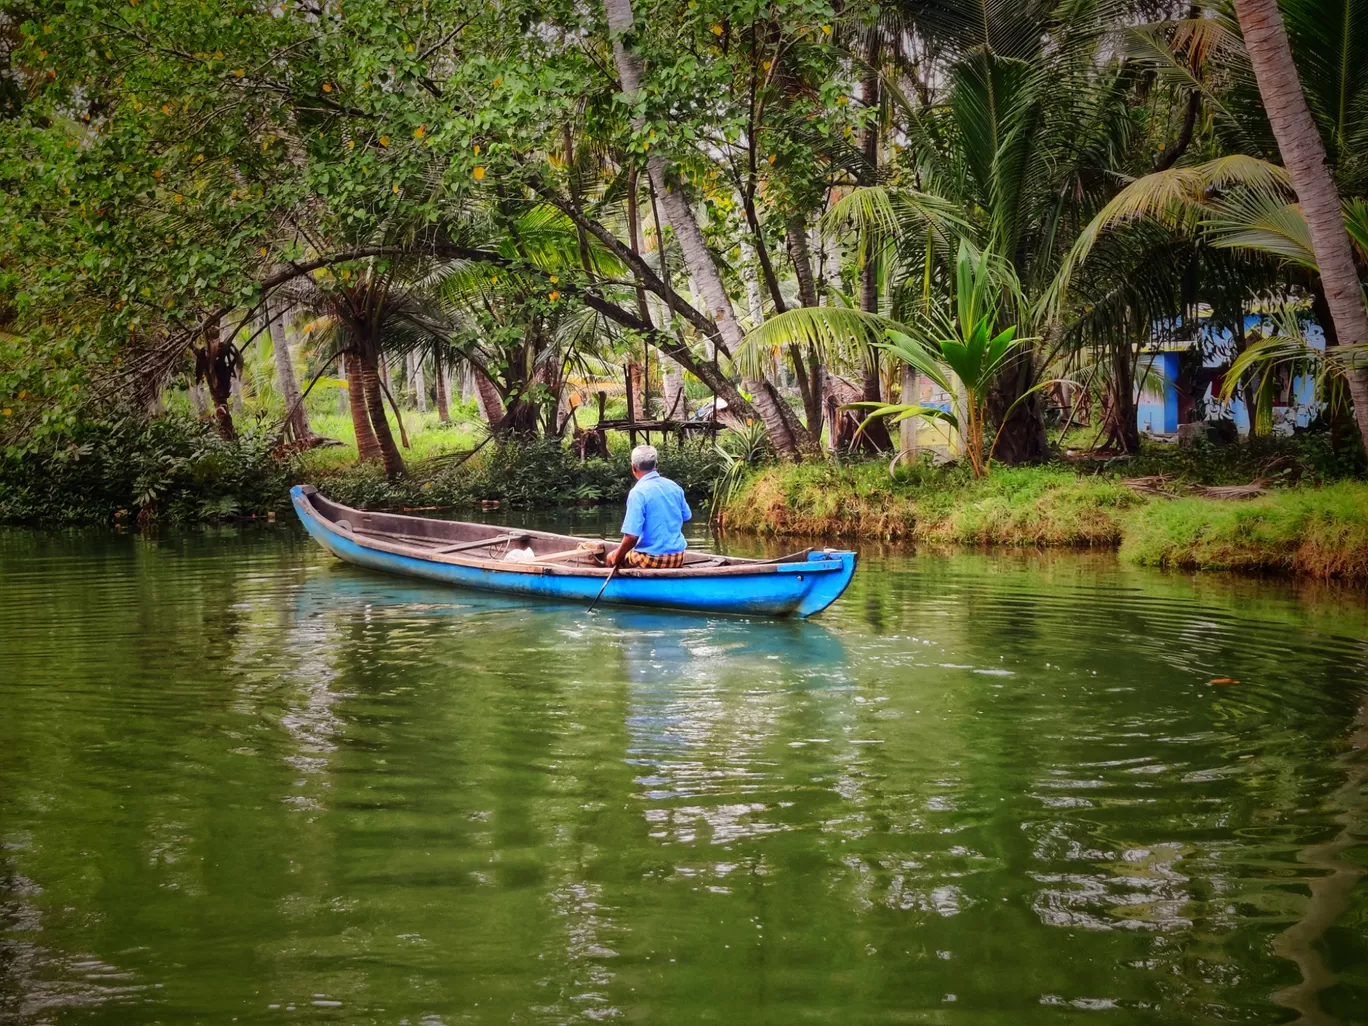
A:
521	474
172	467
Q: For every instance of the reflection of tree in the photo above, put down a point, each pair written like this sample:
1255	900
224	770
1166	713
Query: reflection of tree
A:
540	810
1330	892
131	737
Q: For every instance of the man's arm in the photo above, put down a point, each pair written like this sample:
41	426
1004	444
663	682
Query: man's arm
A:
625	546
632	526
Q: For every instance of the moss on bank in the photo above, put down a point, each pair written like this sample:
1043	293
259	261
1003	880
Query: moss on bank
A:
1318	532
1315	531
1018	506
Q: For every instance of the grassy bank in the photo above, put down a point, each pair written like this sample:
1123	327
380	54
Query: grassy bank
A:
1315	531
1312	522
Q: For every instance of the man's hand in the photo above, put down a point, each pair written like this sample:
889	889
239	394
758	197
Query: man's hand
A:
619	554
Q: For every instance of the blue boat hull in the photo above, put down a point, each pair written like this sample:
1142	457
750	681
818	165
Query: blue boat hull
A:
788	589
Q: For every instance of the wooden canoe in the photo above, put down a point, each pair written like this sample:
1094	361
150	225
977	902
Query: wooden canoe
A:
566	568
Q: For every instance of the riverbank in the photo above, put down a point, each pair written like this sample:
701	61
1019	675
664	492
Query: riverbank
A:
175	469
1316	531
1312	520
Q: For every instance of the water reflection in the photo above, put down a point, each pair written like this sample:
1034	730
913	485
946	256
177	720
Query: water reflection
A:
240	779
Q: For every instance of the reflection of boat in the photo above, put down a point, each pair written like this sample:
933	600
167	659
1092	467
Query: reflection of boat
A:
668	648
566	567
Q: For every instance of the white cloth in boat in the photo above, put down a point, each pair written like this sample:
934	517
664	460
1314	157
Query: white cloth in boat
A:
519	556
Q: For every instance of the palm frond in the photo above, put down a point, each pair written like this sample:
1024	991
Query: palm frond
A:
1329	39
1356	223
1171	49
839	334
899	412
1267	224
1178	198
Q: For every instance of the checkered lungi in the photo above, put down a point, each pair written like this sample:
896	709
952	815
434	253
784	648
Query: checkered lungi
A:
669	561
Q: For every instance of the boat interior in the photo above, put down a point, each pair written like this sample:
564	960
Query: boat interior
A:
429	537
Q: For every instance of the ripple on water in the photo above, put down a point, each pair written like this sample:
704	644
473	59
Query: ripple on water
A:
235	775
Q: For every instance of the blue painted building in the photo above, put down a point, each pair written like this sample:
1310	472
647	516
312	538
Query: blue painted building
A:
1157	398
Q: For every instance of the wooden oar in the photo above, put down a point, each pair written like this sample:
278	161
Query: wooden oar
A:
611	574
476	544
585	550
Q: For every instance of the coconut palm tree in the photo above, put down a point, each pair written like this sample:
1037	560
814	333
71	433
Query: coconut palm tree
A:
961	350
1303	153
1244	201
679	214
1011	142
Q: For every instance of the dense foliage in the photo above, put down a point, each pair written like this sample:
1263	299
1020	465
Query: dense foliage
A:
175	468
123	469
702	194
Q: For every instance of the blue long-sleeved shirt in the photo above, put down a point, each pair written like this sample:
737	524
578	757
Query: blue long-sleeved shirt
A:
656	511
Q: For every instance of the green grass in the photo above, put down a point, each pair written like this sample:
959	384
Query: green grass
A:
1017	506
1308	530
428	437
1318	532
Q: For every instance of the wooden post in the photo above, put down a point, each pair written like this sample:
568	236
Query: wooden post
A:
631	407
911	389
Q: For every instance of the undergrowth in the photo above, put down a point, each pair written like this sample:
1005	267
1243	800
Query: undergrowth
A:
1319	531
1012	506
172	467
521	474
176	468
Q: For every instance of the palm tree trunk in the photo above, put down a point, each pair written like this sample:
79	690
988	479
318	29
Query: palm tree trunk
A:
419	380
375	407
235	387
1303	153
691	242
487	398
907	431
1022	437
215	364
296	417
635	240
672	383
636	390
875	436
802	260
813	374
440	386
367	445
398	413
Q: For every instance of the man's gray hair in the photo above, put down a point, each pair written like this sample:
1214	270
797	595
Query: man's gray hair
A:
645	457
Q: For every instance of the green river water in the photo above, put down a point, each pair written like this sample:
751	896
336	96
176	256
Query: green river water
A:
241	782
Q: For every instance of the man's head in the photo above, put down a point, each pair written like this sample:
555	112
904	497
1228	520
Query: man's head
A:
644	460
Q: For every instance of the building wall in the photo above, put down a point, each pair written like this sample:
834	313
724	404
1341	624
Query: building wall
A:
1157	395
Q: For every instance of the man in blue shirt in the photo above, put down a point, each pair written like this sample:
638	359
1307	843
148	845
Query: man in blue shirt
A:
652	531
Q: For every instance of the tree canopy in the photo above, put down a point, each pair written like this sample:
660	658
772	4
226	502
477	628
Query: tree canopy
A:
543	184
